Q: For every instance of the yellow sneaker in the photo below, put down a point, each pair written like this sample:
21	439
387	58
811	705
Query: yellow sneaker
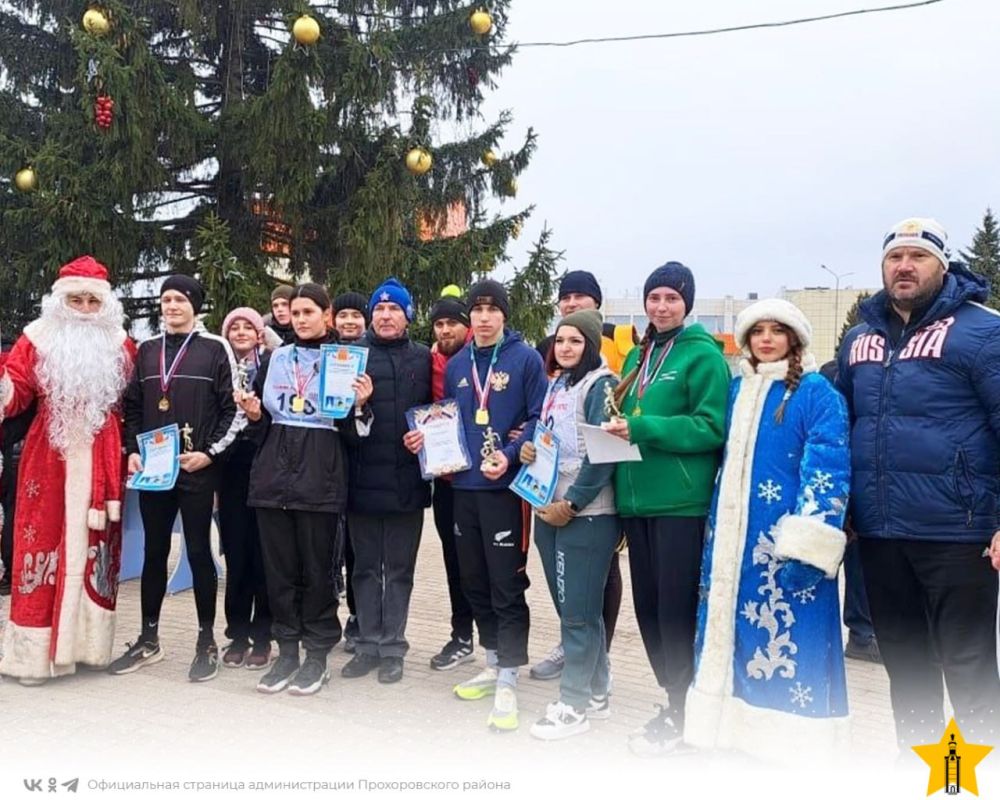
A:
482	685
503	715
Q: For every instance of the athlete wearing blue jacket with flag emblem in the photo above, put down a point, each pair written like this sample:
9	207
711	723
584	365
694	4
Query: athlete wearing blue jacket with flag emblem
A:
921	376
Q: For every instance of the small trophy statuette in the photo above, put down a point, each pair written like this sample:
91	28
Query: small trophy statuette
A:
186	431
611	408
242	377
489	448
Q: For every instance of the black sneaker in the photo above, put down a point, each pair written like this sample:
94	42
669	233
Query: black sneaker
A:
280	675
206	663
310	677
359	666
136	656
863	651
351	634
456	652
5	584
661	736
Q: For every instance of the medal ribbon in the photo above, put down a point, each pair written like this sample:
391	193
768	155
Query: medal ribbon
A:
165	376
646	377
302	385
558	385
483	395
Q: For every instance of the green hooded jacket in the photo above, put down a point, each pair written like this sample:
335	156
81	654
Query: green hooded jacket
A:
680	427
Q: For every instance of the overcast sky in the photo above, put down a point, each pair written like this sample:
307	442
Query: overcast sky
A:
753	157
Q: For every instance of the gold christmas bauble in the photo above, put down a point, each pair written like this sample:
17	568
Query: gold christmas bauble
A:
489	158
95	23
515	230
25	179
481	22
418	161
512	187
306	30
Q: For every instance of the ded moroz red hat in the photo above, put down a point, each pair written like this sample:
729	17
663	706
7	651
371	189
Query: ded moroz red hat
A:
83	274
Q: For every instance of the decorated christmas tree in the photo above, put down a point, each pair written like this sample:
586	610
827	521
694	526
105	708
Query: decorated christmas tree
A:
243	139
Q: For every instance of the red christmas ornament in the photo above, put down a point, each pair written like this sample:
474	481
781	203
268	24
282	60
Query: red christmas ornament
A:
104	111
473	76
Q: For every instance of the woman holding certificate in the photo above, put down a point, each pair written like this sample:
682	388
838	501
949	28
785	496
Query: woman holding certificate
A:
673	406
577	531
298	484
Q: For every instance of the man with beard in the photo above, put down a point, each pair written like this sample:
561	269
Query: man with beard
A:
921	375
75	360
450	319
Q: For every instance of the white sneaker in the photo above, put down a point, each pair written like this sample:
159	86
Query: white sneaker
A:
560	722
482	685
600	708
503	715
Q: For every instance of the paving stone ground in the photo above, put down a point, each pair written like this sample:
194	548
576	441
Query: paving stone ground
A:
155	723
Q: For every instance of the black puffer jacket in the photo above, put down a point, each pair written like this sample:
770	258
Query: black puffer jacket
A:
298	468
385	476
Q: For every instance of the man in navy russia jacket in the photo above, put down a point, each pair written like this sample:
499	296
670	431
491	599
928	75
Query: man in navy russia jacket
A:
921	375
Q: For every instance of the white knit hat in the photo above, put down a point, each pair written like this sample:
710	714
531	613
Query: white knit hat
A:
774	310
923	232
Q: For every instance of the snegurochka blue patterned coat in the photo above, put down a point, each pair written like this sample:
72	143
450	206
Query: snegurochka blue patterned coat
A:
769	668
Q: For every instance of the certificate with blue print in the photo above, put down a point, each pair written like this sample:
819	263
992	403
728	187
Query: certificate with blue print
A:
160	451
536	482
445	450
340	366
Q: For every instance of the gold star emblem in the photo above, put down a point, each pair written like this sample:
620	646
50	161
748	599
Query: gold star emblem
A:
952	761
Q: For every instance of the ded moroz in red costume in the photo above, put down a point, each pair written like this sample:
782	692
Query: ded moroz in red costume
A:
67	525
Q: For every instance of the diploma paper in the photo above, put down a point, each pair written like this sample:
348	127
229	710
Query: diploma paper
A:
445	451
159	451
606	448
340	366
536	482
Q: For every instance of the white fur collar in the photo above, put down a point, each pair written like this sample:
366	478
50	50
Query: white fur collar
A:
776	370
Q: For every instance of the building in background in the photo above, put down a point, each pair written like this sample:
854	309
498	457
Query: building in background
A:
825	308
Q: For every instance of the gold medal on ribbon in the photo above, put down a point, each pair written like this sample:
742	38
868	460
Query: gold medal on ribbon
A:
482	416
637	412
164	404
298	404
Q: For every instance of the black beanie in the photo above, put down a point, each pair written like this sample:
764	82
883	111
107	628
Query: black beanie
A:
581	282
352	300
489	293
188	287
450	308
314	292
674	275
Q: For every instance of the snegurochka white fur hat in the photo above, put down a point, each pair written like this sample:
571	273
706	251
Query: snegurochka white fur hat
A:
773	310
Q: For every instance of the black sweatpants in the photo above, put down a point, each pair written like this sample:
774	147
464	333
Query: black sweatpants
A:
444	521
248	615
385	557
298	551
664	556
158	511
492	547
933	606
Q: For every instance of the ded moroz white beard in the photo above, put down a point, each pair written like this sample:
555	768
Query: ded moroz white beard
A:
82	367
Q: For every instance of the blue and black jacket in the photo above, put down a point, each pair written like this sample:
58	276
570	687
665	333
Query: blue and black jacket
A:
515	399
925	409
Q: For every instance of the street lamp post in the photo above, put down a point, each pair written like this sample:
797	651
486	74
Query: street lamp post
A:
836	300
